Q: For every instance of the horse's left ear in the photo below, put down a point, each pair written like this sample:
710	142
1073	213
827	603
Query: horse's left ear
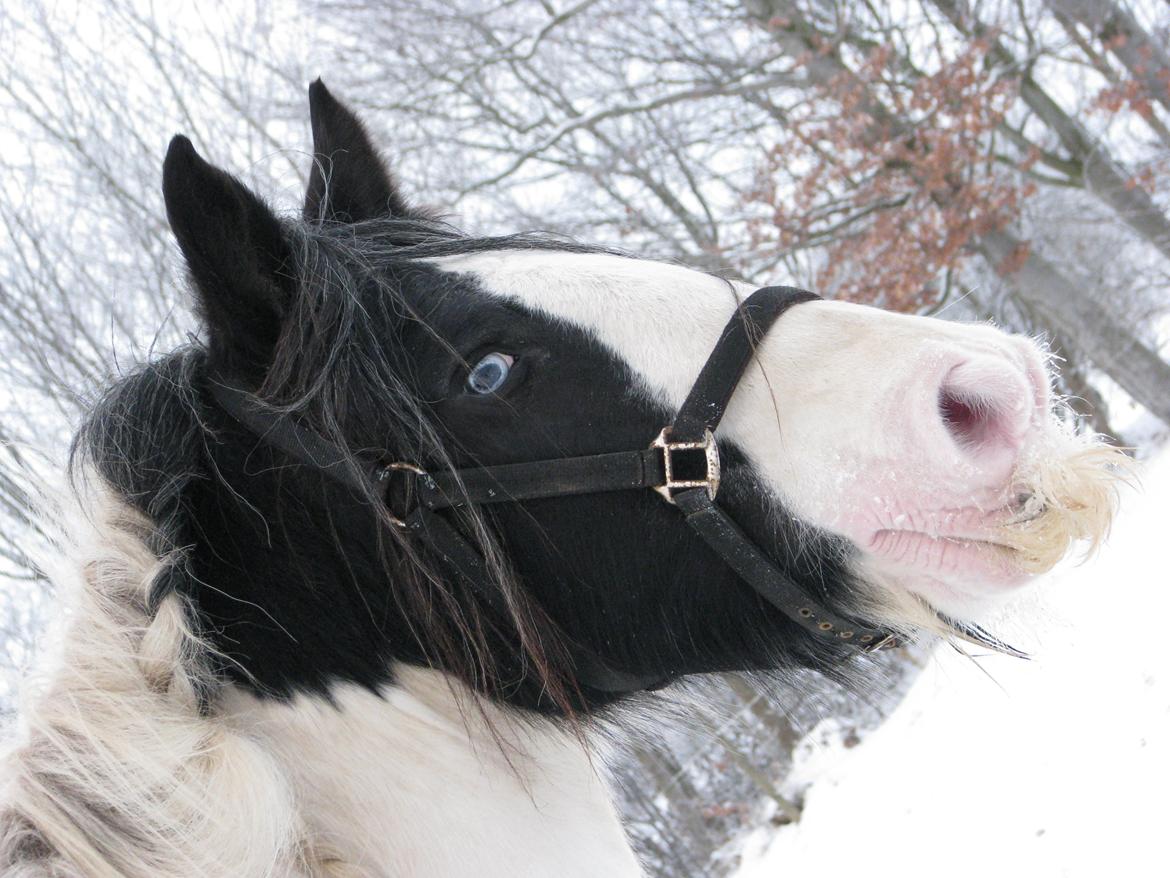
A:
348	181
237	254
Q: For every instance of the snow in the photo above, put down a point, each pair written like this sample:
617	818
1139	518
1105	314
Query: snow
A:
1055	767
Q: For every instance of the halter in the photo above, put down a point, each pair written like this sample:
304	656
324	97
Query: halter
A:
682	465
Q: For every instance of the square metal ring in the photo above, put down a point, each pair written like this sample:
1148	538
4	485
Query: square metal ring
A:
710	450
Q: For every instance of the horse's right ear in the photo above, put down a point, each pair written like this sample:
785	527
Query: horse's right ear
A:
237	254
348	182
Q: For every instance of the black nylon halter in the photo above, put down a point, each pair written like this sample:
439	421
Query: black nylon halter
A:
691	436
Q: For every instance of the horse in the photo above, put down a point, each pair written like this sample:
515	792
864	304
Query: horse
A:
353	578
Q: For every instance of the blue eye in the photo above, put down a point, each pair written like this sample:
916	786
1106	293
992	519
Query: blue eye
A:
489	374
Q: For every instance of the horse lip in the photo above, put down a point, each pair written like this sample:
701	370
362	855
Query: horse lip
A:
979	557
985	528
977	538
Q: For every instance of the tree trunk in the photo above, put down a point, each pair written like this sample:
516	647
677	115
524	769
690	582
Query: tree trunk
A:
778	726
1082	397
671	781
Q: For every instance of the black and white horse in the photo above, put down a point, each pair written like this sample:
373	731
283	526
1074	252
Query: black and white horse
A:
262	673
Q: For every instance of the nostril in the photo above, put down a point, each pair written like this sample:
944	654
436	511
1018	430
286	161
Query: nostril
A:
970	420
985	405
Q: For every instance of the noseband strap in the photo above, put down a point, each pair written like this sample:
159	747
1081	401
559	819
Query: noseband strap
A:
704	406
417	498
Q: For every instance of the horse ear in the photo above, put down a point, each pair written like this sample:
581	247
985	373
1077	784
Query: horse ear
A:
348	181
236	252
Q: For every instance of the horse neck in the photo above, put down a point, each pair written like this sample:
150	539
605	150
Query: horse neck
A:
423	779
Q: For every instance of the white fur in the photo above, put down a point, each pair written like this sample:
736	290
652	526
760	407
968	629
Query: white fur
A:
412	782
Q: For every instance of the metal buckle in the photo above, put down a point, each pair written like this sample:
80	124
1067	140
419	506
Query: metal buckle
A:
384	474
710	451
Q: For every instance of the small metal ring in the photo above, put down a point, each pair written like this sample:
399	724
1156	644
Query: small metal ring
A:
398	466
865	638
403	465
826	626
845	635
805	612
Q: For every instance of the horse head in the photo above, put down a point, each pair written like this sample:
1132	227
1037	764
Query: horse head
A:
900	469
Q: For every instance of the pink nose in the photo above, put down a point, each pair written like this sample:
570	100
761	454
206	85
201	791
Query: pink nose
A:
987	404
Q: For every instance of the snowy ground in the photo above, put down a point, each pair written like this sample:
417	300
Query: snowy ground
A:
1055	767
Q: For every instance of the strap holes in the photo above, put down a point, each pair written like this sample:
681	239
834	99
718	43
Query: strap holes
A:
845	635
805	612
865	638
826	626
